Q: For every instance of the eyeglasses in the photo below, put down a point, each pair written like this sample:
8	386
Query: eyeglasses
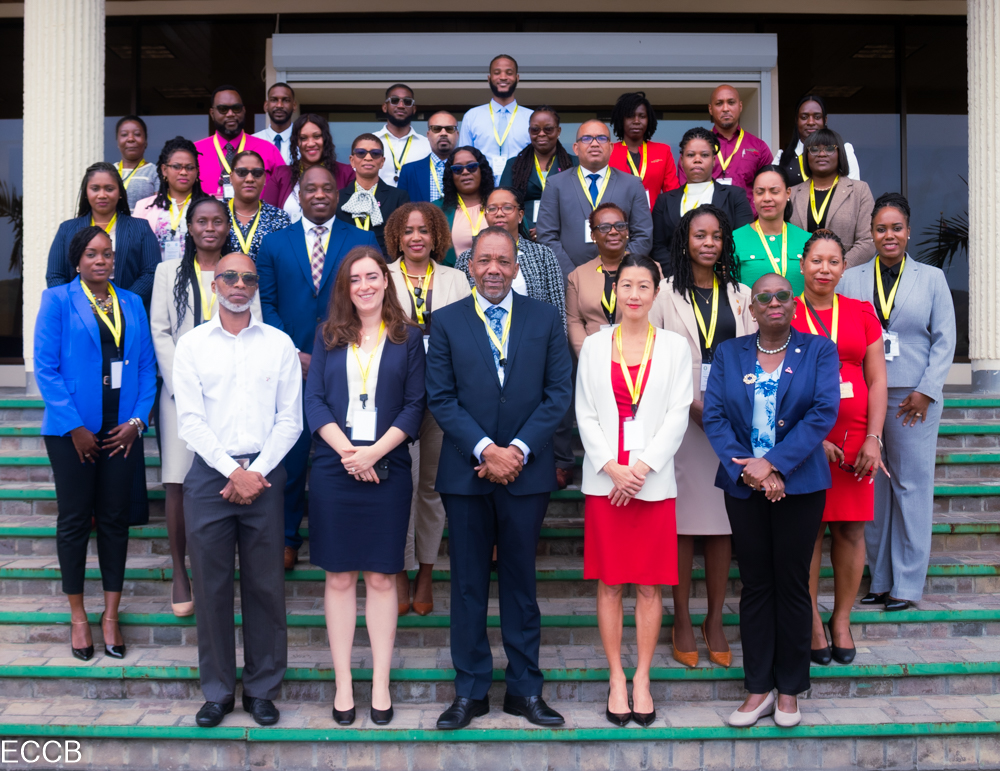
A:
230	277
506	208
227	108
845	466
406	100
360	153
764	298
549	131
472	168
823	150
188	167
605	227
242	172
601	139
438	129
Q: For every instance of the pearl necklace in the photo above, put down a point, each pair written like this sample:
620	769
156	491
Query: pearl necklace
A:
776	350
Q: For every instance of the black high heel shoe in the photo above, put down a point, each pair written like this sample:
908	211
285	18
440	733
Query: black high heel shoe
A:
346	717
645	719
874	598
381	716
114	651
619	719
841	655
84	654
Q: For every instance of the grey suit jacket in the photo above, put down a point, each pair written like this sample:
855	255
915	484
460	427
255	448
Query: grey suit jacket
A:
564	212
923	316
849	215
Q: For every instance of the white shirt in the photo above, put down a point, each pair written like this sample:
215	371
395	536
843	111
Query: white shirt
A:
506	303
519	285
478	131
238	394
852	160
269	134
292	207
601	174
695	194
354	381
308	225
395	147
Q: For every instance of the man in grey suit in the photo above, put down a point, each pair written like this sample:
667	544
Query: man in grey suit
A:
570	196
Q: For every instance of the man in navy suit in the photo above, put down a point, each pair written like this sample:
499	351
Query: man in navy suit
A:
415	178
499	381
297	268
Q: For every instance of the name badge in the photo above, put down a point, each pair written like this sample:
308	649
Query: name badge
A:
535	205
891	342
846	390
635	434
706	370
363	424
586	233
724	180
116	373
647	200
172	250
227	191
427	342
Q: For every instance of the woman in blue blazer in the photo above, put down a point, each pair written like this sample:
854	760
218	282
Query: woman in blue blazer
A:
95	368
364	401
104	202
771	400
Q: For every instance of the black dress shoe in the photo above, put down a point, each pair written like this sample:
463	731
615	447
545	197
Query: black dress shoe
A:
873	598
619	719
821	656
841	655
87	652
114	651
534	708
344	718
381	716
461	712
645	719
892	604
262	711
212	712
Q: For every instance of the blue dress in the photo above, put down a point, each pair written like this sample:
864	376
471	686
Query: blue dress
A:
765	395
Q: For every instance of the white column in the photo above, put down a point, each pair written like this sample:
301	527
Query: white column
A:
63	129
984	201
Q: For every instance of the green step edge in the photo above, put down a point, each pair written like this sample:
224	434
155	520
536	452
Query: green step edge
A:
37	431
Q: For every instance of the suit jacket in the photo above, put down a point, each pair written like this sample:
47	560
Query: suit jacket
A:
565	210
731	199
280	185
923	315
466	399
661	170
805	410
136	255
450	286
68	361
415	179
849	215
288	298
664	408
388	198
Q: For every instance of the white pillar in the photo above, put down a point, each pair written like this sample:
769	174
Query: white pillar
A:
984	201
63	129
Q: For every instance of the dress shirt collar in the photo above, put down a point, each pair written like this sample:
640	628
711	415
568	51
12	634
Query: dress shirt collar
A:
601	173
215	323
891	272
736	136
234	142
285	135
506	303
437	161
389	135
497	107
800	148
308	224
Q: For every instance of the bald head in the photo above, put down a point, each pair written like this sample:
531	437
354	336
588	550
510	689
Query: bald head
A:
725	107
236	261
442	133
593	145
237	296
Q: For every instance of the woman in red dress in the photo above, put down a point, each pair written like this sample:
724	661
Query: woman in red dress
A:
853	447
633	394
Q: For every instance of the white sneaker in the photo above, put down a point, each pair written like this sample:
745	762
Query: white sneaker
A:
787	719
745	719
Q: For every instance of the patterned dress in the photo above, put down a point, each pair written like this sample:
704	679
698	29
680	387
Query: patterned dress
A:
765	396
271	219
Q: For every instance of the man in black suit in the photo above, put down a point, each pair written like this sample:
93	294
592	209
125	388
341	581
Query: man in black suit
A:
365	203
499	381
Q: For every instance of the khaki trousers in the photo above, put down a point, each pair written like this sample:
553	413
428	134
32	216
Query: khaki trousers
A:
427	518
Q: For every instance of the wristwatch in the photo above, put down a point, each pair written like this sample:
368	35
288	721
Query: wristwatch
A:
139	425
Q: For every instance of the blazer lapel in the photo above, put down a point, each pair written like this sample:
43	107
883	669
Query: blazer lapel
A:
83	307
481	338
685	310
297	235
748	358
337	237
790	365
841	193
131	337
517	324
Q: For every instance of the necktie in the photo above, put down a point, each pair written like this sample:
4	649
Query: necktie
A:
277	142
593	186
230	153
318	256
503	117
496	315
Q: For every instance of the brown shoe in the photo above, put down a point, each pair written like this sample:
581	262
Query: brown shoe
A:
563	477
291	557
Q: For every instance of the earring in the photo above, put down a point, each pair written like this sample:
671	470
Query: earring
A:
77	268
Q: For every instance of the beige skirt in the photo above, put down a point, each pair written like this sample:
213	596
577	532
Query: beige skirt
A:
175	457
701	507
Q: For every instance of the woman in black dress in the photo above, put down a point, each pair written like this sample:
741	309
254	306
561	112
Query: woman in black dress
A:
364	402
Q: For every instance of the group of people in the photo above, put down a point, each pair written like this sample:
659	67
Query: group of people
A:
749	356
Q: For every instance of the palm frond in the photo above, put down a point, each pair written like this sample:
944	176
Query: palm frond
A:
11	209
943	240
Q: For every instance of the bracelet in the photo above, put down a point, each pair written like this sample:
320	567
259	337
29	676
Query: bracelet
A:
138	424
879	438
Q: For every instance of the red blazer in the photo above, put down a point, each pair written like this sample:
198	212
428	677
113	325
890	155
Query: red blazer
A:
661	171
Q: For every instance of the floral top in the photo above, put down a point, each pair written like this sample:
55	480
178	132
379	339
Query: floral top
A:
271	219
765	394
171	242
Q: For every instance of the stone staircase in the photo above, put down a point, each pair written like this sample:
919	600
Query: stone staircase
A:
923	692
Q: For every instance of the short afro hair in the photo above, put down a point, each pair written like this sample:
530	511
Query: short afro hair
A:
437	226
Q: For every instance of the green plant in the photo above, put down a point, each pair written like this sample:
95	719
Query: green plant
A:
11	209
944	239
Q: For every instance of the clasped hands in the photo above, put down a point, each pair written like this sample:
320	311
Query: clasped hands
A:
360	462
500	465
628	481
244	487
759	474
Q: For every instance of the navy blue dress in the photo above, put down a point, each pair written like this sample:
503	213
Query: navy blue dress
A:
362	525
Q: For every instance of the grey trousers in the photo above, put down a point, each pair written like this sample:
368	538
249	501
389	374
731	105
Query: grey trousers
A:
898	541
216	528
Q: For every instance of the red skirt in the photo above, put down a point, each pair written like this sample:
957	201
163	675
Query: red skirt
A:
633	544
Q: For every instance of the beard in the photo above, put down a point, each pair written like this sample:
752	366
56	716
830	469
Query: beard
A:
390	118
235	307
503	94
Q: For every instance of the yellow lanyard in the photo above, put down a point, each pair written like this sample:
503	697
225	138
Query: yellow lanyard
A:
110	225
501	342
836	317
886	305
818	215
684	199
121	170
710	334
586	189
244	245
725	163
802	170
784	248
116	328
434	176
206	306
609	306
631	163
542	175
365	223
635	389
479	222
406	151
175	222
222	155
366	369
417	307
500	140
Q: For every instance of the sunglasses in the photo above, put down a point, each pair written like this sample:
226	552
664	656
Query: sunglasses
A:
189	168
764	298
507	208
445	129
601	139
840	464
605	227
230	277
472	168
549	131
360	153
242	172
222	109
823	150
406	100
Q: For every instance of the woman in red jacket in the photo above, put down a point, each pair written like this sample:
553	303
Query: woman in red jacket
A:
634	123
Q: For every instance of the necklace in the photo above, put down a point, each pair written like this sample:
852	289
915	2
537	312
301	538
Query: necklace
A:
776	350
104	305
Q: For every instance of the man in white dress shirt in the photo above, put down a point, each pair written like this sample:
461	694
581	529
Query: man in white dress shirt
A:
238	388
499	129
280	107
401	143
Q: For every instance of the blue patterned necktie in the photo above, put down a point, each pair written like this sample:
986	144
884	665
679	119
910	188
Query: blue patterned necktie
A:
593	186
277	142
496	316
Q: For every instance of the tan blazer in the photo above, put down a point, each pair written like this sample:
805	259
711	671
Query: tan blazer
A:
449	286
849	215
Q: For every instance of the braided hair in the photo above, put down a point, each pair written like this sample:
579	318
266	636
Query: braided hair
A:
524	162
486	180
162	200
727	268
895	201
823	234
699	133
328	155
627	106
121	208
185	271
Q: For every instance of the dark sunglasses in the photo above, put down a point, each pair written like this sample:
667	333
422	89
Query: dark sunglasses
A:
840	464
222	109
764	298
821	149
232	276
360	153
445	129
242	172
547	130
472	168
406	100
605	227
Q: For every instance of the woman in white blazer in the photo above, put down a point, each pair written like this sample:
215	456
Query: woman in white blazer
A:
182	299
633	394
702	258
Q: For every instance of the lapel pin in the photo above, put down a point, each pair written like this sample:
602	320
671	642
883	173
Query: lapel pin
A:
789	370
798	350
750	379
